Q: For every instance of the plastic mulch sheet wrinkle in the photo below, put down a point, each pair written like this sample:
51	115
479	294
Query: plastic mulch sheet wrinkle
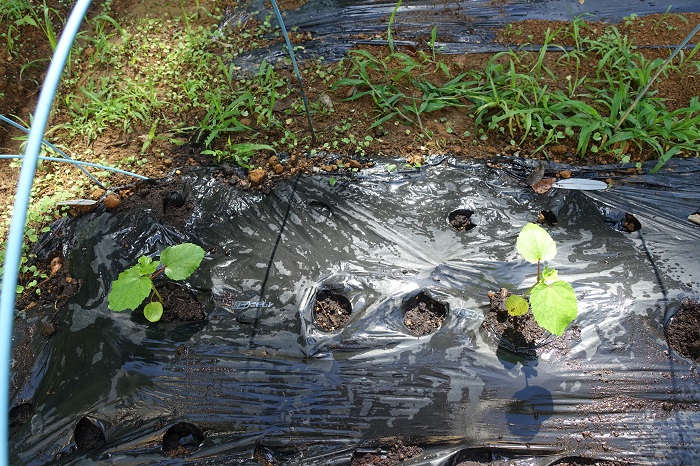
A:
260	374
462	26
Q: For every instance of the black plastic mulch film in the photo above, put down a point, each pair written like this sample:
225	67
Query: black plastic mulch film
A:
259	374
259	378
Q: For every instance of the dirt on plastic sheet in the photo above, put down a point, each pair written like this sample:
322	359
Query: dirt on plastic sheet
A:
684	330
397	454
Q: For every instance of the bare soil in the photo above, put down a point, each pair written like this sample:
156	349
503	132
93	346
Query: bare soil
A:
423	315
331	311
397	454
684	330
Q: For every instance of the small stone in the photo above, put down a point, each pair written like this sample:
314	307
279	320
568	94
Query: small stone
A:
56	264
559	149
272	161
167	162
278	169
354	164
326	100
565	174
48	329
256	176
112	201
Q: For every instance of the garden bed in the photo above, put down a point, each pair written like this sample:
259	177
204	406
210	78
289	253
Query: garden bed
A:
260	367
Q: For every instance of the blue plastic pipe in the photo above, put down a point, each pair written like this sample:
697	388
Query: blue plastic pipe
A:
15	238
79	163
60	152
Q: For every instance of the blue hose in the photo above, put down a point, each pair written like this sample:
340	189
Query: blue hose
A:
79	163
19	217
296	69
60	152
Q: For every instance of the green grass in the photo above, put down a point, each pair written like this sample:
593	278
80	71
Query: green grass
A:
518	94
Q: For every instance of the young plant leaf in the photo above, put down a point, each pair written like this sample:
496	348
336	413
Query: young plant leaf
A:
129	290
153	311
146	265
549	275
554	306
517	305
182	260
535	244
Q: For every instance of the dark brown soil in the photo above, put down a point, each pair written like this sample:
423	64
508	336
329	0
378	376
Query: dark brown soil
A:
397	454
460	219
39	315
519	331
331	311
182	439
423	315
179	304
19	414
89	435
168	200
684	330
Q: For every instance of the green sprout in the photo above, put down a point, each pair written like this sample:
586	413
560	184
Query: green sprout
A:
135	284
553	301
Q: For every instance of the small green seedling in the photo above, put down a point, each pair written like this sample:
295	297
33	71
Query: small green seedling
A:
553	301
135	284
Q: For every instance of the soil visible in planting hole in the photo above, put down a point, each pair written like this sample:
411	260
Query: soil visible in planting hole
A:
423	315
519	331
19	415
89	434
182	440
397	454
460	219
684	330
179	304
331	311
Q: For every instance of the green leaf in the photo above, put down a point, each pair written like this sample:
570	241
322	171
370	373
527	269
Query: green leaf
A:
549	275
554	306
153	311
517	305
146	265
181	260
129	290
535	244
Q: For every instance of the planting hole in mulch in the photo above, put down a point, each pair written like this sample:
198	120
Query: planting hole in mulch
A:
179	304
20	414
547	218
331	310
397	454
460	219
423	315
89	434
623	221
684	330
182	439
520	334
